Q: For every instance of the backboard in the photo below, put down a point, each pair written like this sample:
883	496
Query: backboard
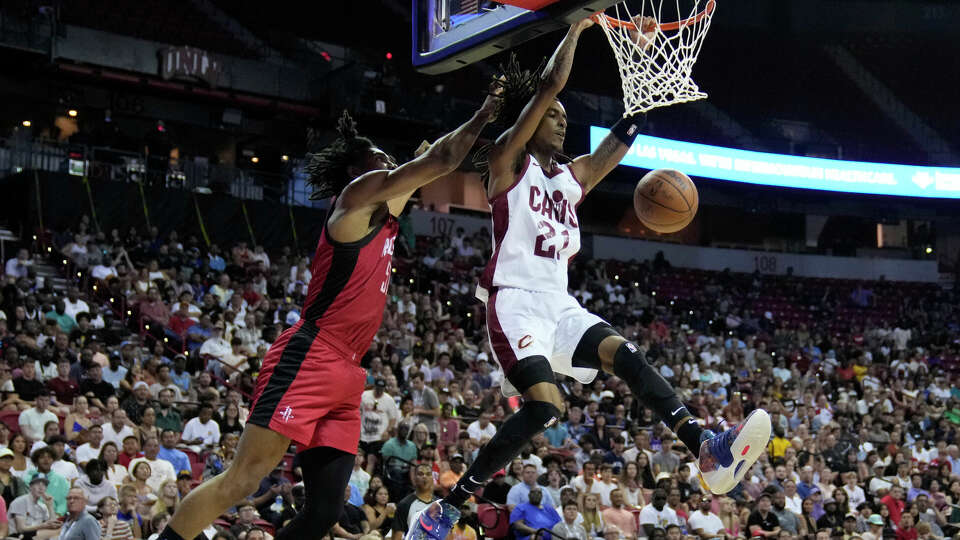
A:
450	34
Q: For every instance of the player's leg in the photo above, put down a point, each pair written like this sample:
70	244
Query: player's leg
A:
259	452
602	347
518	323
723	459
542	407
326	472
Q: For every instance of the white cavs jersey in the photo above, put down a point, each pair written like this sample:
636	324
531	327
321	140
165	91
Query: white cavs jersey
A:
535	231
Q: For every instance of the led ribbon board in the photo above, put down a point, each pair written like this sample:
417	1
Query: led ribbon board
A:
788	171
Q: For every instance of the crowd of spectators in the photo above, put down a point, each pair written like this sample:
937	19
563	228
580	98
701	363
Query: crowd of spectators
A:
132	385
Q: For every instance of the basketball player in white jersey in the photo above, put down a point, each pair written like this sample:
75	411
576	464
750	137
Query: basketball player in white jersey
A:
535	327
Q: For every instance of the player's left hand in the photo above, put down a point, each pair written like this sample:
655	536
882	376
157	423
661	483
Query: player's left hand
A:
422	149
646	31
491	104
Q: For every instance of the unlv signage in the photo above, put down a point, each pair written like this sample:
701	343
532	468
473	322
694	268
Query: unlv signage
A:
189	63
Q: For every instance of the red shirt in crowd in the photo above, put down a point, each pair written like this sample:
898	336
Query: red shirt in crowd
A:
124	459
896	509
907	534
179	325
65	390
845	373
154	311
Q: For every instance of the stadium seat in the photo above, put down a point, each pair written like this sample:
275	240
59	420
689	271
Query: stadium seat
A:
495	520
197	470
12	420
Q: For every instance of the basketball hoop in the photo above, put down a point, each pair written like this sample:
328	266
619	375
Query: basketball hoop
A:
655	67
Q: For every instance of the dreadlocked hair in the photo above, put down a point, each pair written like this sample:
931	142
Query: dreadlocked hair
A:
327	169
519	86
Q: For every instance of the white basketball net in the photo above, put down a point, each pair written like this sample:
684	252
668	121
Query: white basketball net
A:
657	73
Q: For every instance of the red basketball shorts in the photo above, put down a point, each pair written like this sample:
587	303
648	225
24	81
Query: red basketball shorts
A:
309	390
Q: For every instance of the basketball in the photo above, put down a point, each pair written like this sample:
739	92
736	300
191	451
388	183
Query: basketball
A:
665	200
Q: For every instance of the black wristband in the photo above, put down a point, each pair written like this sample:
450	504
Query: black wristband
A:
627	128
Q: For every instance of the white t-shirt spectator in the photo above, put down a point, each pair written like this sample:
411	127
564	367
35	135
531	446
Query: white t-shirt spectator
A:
375	415
423	368
193	312
871	382
209	432
215	347
710	357
114	436
406	307
710	523
18	268
478	433
233	360
855	496
85	452
901	337
72	308
630	454
578	484
261	257
45	372
32	421
923	455
603	489
794	504
650	516
102	272
114	377
939	391
877	483
65	469
160	472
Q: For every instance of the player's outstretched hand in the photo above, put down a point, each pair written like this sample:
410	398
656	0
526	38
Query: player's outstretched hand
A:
424	146
491	104
646	31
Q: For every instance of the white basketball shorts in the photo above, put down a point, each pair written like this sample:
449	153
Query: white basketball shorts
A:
522	323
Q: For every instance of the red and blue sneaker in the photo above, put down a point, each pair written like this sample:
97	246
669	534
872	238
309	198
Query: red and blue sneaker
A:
726	458
434	522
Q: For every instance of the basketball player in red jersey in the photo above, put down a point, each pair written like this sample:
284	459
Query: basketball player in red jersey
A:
535	327
308	391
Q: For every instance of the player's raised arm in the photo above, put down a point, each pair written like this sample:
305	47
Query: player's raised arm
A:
593	167
511	144
442	157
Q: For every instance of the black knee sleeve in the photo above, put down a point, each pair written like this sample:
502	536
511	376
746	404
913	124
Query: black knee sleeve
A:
586	354
655	392
532	418
542	413
530	371
648	385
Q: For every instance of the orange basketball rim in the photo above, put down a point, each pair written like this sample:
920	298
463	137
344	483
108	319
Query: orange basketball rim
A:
664	27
